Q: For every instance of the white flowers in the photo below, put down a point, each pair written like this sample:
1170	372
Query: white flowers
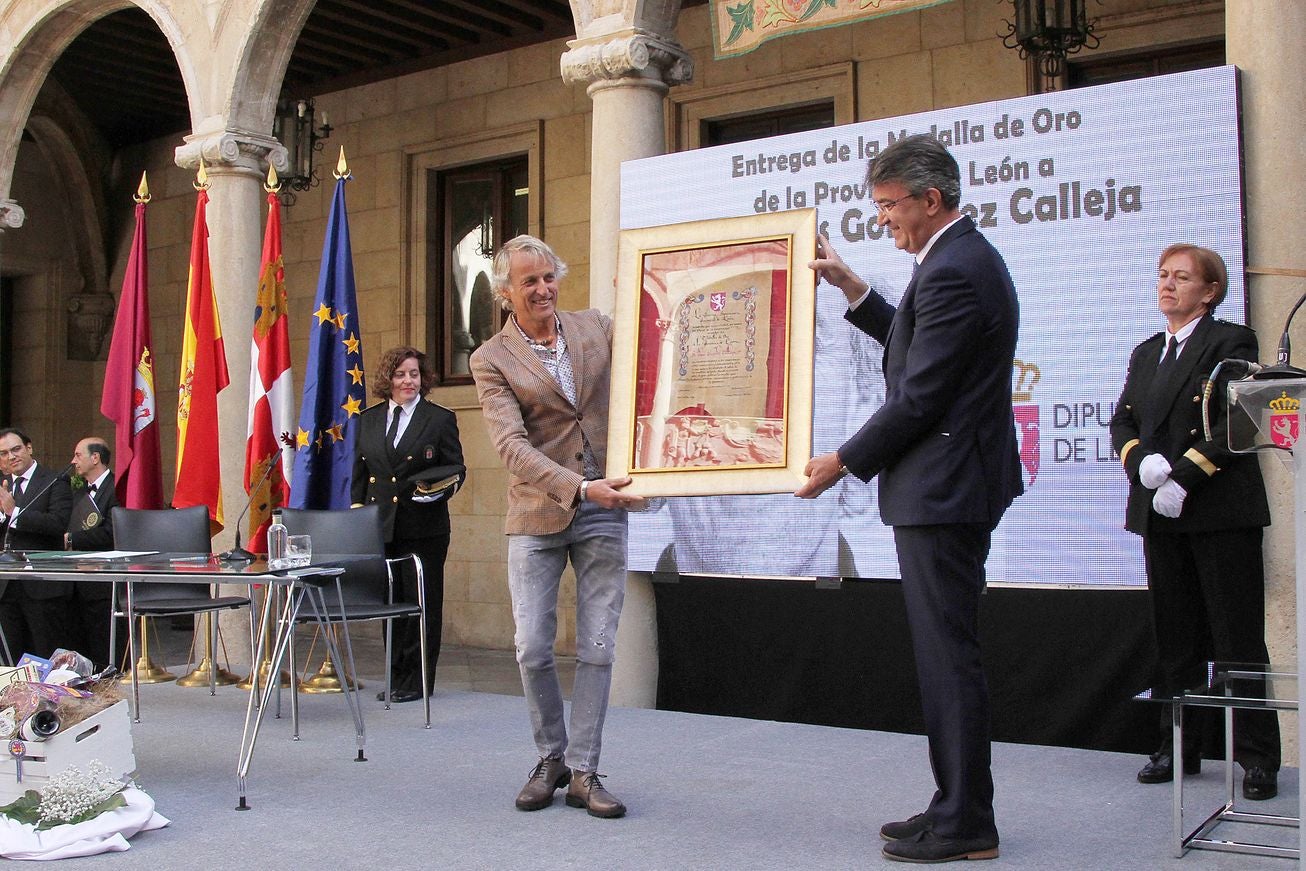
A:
71	794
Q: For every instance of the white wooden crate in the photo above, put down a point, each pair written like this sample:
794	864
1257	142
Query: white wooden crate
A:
105	736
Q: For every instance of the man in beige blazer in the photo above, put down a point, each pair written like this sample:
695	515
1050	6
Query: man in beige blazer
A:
543	386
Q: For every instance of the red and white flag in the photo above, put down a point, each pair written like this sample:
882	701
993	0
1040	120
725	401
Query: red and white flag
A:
268	458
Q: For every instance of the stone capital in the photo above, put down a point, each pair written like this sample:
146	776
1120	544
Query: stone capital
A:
628	55
11	215
233	150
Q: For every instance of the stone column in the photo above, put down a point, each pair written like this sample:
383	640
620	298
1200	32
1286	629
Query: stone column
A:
1264	38
237	209
629	65
629	74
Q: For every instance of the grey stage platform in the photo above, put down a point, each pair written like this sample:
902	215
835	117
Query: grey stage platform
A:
704	792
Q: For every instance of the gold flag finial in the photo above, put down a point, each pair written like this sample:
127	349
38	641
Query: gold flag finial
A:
273	184
342	168
142	194
201	182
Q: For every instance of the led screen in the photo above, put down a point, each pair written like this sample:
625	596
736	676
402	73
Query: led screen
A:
1080	191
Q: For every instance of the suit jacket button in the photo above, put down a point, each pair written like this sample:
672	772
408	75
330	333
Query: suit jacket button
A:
393	480
1197	398
580	417
1192	432
580	456
372	480
394	499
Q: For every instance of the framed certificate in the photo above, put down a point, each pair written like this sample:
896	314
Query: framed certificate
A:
712	356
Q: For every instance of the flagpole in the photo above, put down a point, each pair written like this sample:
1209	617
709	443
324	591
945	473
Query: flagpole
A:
271	415
203	375
334	390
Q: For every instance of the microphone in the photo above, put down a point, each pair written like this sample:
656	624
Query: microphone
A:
1281	368
238	553
7	555
1251	371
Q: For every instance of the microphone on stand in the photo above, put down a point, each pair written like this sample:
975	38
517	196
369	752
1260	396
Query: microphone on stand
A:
238	553
1281	368
8	555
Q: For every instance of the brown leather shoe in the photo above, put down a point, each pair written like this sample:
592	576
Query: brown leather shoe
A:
587	791
551	773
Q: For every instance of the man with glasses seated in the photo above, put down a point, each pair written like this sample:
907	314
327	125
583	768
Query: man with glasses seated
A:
35	504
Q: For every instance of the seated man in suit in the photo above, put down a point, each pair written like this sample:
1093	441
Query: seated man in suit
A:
90	527
35	503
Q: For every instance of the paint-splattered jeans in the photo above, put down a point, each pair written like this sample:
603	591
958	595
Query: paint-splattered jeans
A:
596	543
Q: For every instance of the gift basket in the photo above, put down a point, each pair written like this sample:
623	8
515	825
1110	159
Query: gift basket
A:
66	784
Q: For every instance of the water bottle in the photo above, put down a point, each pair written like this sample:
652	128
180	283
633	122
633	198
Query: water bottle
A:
278	537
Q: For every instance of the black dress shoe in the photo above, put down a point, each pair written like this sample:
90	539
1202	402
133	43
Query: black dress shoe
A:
399	696
927	847
1160	768
906	828
1260	783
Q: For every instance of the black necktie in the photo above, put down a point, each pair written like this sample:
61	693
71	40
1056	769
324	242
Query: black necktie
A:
18	487
1167	362
1160	380
394	429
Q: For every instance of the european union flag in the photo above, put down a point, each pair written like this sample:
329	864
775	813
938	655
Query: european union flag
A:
334	390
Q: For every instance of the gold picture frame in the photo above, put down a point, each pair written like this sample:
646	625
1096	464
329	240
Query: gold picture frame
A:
712	356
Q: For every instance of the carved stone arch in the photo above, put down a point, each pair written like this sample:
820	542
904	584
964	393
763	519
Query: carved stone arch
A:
262	49
39	31
72	146
69	146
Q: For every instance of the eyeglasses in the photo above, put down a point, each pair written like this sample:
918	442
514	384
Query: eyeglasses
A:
887	206
12	452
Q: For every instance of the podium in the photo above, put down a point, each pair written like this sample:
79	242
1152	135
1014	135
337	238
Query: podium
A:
1265	414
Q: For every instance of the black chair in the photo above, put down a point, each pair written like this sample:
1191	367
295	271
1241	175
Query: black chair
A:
367	587
183	530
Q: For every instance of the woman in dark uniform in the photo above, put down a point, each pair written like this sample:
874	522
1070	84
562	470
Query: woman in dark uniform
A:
406	451
1200	510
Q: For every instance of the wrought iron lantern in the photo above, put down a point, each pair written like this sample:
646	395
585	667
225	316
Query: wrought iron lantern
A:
296	129
1048	31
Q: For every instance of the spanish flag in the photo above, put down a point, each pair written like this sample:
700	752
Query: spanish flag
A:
203	374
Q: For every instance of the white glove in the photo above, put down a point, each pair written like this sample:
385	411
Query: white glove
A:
1169	499
1153	470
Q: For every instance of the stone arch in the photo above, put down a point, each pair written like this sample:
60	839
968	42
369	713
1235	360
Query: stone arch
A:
39	31
262	50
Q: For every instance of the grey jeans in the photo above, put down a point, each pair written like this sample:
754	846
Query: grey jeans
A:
596	544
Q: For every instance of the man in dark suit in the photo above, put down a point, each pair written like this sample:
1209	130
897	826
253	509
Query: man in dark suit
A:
406	446
944	447
34	507
1200	509
90	527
